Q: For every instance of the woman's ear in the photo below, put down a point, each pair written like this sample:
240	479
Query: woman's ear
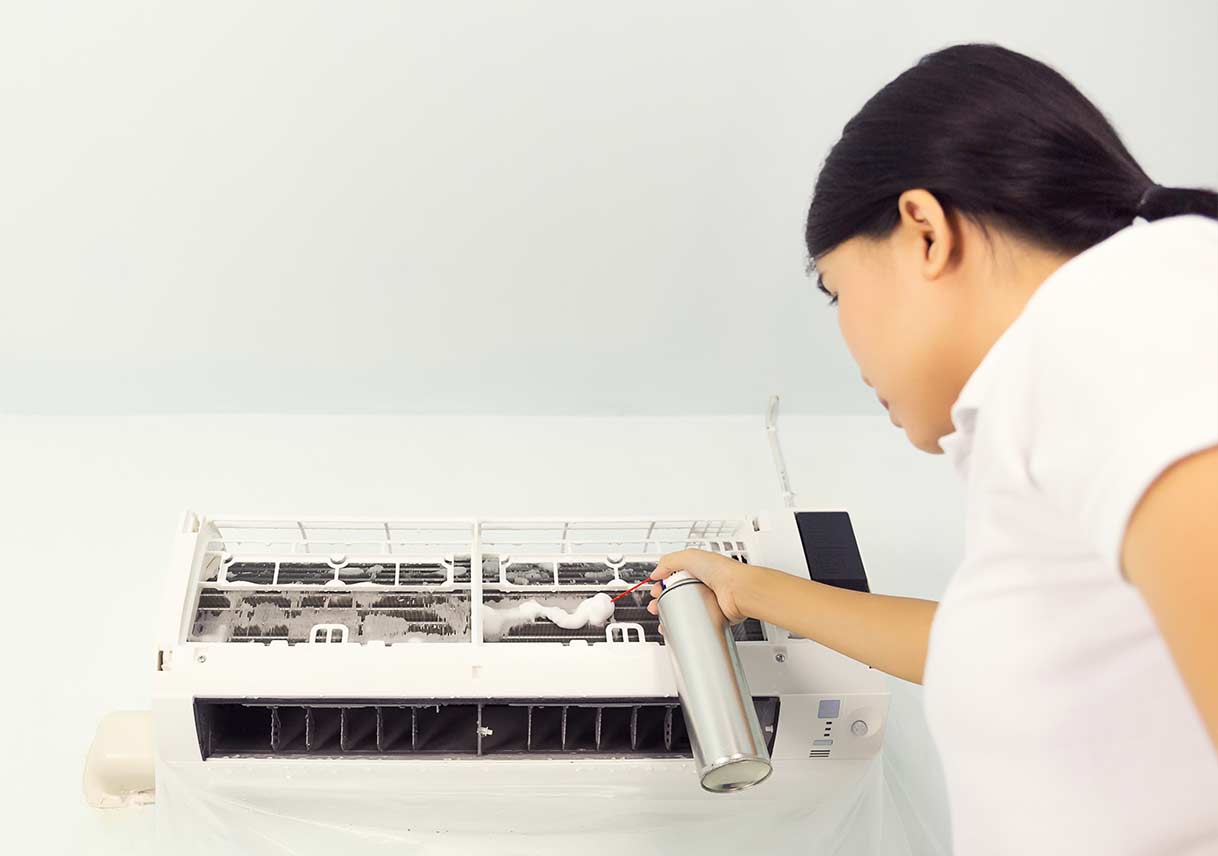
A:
929	231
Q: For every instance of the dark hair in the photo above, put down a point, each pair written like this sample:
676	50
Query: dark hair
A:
998	137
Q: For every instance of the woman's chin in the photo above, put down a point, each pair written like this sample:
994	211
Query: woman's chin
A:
923	442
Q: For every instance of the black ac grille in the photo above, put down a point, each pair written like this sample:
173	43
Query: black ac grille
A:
238	615
395	728
319	572
243	615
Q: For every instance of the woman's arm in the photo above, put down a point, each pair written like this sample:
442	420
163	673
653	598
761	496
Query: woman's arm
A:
889	633
1170	553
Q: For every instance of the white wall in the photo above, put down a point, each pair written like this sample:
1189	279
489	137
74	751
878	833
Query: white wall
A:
88	507
477	207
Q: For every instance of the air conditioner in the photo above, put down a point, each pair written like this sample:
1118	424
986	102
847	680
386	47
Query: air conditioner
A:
348	654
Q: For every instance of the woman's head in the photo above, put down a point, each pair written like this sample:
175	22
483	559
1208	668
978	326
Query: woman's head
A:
950	196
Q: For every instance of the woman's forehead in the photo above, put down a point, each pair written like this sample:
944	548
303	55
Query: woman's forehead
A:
847	255
824	265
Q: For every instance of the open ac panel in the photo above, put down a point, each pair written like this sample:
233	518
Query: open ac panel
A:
393	582
361	641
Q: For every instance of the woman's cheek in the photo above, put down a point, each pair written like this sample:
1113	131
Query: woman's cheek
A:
857	337
847	330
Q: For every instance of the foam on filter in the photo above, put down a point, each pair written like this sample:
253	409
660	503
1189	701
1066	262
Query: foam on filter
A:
594	610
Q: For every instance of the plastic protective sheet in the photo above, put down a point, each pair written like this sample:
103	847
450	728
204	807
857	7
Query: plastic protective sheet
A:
830	807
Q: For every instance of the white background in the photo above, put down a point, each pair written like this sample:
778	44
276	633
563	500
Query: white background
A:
477	207
530	210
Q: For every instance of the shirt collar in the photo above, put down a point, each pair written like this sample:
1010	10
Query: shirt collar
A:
958	445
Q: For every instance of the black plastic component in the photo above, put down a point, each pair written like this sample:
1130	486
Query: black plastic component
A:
614	734
277	728
251	572
448	728
429	573
236	729
322	729
580	734
397	729
358	733
316	573
649	728
288	725
676	736
545	729
831	549
505	728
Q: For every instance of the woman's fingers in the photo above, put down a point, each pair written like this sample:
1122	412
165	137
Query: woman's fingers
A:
667	566
661	571
670	563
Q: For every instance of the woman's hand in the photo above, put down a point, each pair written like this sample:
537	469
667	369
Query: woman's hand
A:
889	633
724	576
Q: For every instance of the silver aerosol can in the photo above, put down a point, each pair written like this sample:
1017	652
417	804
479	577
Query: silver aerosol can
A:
729	749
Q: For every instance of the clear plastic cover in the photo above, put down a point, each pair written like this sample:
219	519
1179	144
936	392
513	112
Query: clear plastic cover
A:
439	811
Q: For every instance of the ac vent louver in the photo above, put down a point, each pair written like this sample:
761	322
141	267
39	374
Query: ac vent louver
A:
278	728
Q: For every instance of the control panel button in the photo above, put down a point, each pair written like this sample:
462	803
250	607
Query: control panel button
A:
858	728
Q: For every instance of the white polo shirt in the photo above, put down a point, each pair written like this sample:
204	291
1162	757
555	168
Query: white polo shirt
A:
1062	722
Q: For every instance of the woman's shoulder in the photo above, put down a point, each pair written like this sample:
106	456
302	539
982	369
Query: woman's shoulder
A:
1122	331
1168	250
1146	280
1189	238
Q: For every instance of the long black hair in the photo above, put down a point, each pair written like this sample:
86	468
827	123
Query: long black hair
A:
997	137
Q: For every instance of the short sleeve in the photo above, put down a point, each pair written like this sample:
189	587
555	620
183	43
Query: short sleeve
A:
1124	379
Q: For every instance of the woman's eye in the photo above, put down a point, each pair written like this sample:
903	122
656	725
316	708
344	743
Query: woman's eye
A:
820	285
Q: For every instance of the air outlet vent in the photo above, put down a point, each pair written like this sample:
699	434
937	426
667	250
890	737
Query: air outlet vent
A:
276	728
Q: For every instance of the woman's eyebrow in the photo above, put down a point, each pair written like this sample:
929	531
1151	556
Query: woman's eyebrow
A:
820	283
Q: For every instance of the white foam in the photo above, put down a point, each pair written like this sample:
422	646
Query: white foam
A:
594	610
365	621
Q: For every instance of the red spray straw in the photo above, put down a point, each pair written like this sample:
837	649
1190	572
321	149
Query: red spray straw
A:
632	588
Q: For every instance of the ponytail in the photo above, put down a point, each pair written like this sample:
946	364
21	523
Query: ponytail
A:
1158	202
998	137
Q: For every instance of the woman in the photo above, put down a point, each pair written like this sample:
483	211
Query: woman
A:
975	227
